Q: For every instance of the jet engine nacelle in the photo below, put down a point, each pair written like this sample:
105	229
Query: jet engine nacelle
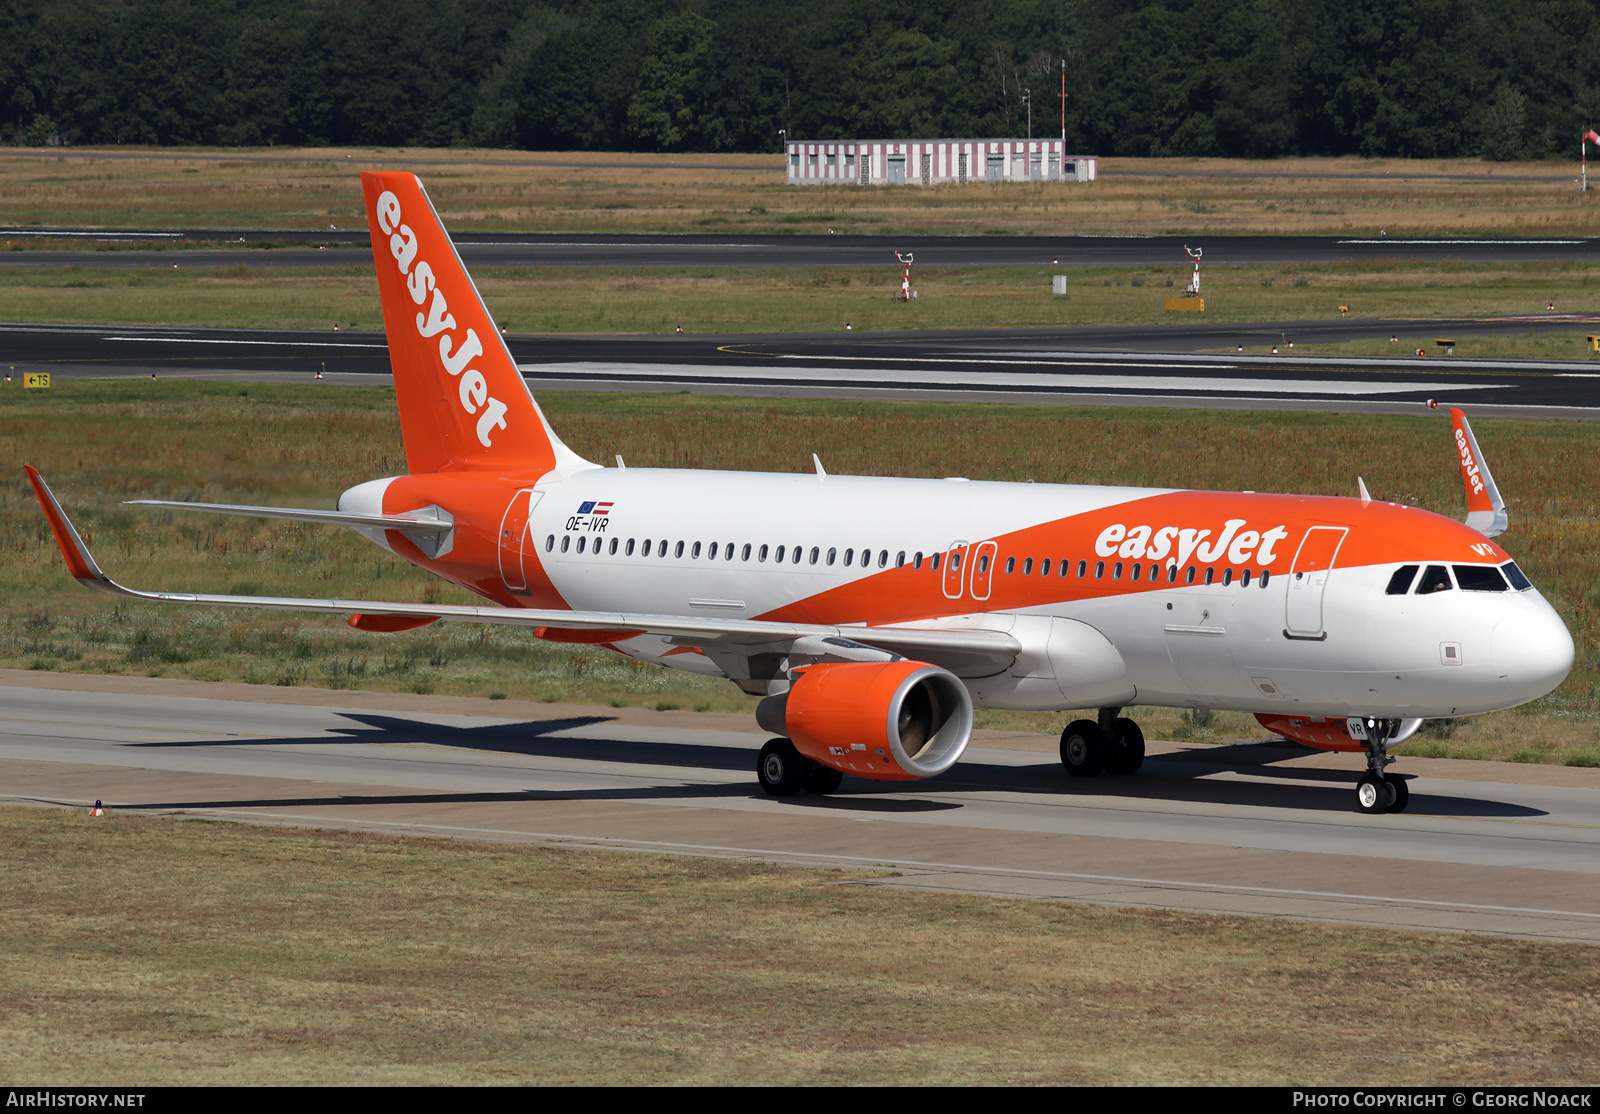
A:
892	720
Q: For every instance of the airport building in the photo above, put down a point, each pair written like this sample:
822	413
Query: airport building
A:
928	162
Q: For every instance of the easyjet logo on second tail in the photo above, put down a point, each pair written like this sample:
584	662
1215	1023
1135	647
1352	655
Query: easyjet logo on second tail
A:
439	322
1149	543
1469	466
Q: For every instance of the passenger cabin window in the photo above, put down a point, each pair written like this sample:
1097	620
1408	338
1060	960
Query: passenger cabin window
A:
1400	582
1518	581
1479	578
1435	579
933	562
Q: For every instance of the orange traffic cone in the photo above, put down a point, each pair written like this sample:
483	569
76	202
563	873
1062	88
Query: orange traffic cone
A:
98	809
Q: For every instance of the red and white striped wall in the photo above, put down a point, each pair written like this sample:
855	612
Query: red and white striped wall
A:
922	162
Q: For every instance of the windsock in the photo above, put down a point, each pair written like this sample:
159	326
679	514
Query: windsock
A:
1590	137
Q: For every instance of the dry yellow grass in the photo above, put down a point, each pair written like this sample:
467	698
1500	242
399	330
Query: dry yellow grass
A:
148	952
618	192
556	300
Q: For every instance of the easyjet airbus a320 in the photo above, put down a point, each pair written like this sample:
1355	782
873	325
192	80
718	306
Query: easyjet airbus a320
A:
873	615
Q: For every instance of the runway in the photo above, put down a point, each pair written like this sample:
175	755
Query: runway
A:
1163	365
350	248
1258	830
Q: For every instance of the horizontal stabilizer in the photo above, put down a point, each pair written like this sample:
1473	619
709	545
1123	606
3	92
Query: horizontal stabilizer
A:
421	521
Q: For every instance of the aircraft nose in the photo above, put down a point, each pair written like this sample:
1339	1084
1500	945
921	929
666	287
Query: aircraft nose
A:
1532	652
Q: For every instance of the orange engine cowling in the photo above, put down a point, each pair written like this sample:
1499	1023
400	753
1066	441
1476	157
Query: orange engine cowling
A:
1324	733
892	720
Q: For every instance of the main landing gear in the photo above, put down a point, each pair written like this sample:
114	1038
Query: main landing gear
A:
1114	744
1377	791
783	771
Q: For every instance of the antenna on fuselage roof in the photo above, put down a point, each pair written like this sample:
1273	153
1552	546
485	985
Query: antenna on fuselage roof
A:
1366	496
817	460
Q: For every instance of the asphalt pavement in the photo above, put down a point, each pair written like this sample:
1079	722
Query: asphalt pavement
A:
1490	848
136	248
1188	365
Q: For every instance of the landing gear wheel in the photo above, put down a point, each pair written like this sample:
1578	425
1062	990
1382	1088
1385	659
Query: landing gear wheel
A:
1083	748
1372	794
781	769
823	780
1399	795
1127	748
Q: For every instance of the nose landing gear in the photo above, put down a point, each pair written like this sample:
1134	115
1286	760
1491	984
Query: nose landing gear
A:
1377	791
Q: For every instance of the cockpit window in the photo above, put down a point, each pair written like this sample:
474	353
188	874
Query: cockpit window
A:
1400	582
1518	581
1480	578
1435	579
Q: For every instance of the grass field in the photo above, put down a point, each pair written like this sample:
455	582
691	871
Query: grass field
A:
551	300
99	442
150	952
610	192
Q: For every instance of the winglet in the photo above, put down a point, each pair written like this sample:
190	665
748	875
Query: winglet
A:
1486	511
79	561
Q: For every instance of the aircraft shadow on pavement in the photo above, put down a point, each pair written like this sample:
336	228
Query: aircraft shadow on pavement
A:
1162	778
1185	780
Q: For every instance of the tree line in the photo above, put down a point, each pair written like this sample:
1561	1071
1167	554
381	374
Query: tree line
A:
1505	79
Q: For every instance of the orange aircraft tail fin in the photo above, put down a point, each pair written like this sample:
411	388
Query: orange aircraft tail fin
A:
1486	511
463	403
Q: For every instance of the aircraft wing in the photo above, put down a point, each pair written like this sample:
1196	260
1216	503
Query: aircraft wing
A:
978	652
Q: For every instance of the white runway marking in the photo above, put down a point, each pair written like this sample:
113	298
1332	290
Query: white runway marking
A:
267	343
987	380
